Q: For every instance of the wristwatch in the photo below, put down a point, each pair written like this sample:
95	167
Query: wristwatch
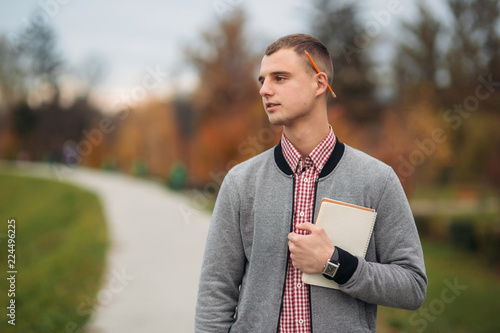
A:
332	265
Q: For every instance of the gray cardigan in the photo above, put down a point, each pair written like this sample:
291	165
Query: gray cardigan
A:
244	266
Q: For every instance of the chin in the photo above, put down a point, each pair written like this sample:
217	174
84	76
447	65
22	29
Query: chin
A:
276	121
275	118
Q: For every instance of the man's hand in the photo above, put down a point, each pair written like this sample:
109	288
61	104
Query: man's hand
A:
309	253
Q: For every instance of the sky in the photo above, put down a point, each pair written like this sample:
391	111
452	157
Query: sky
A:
134	38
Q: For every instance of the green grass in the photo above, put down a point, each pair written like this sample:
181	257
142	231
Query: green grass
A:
60	247
475	308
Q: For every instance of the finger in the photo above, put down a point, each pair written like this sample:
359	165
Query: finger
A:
306	226
295	264
292	237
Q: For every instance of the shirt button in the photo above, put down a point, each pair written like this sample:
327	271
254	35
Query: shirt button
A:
302	214
301	321
306	180
299	285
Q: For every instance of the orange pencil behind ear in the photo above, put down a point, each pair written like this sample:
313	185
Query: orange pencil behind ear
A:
318	71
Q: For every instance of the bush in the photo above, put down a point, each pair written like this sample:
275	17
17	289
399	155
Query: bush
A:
462	233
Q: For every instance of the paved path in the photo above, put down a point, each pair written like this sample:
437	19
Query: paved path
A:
155	256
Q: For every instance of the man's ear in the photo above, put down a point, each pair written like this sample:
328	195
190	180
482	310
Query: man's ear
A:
322	83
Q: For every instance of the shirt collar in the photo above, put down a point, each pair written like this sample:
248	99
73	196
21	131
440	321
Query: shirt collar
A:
319	155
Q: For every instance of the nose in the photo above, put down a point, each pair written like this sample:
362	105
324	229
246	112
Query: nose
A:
265	89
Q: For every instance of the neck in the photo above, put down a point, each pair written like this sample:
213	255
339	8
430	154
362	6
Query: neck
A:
306	135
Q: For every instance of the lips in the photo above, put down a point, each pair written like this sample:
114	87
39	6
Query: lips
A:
272	106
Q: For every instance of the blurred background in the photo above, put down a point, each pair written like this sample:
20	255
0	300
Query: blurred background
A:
168	92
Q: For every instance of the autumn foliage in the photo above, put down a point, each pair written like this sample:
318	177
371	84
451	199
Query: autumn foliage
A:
439	126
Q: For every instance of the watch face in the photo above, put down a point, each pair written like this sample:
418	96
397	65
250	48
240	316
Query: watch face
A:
331	269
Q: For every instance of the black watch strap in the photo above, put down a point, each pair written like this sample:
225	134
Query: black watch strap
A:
332	265
335	256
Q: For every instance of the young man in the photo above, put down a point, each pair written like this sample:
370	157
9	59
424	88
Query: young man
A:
261	236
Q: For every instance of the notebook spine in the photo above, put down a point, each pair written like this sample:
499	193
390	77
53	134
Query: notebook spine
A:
371	233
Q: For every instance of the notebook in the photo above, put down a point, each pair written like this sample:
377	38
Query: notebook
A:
349	227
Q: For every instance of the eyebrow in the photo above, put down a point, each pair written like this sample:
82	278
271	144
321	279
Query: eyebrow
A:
261	78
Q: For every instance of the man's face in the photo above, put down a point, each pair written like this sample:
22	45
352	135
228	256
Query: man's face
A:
288	89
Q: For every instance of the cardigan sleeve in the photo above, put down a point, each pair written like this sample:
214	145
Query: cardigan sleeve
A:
223	264
397	278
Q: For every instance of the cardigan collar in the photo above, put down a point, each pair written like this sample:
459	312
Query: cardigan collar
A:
337	153
319	155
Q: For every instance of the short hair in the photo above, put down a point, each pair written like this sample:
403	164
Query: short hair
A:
301	42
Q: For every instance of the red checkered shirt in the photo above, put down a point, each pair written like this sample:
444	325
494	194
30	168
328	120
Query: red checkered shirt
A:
295	316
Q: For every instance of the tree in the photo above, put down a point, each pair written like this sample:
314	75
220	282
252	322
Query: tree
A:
13	127
29	83
337	25
226	105
226	65
418	58
91	72
439	66
449	54
40	60
475	43
12	90
146	138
